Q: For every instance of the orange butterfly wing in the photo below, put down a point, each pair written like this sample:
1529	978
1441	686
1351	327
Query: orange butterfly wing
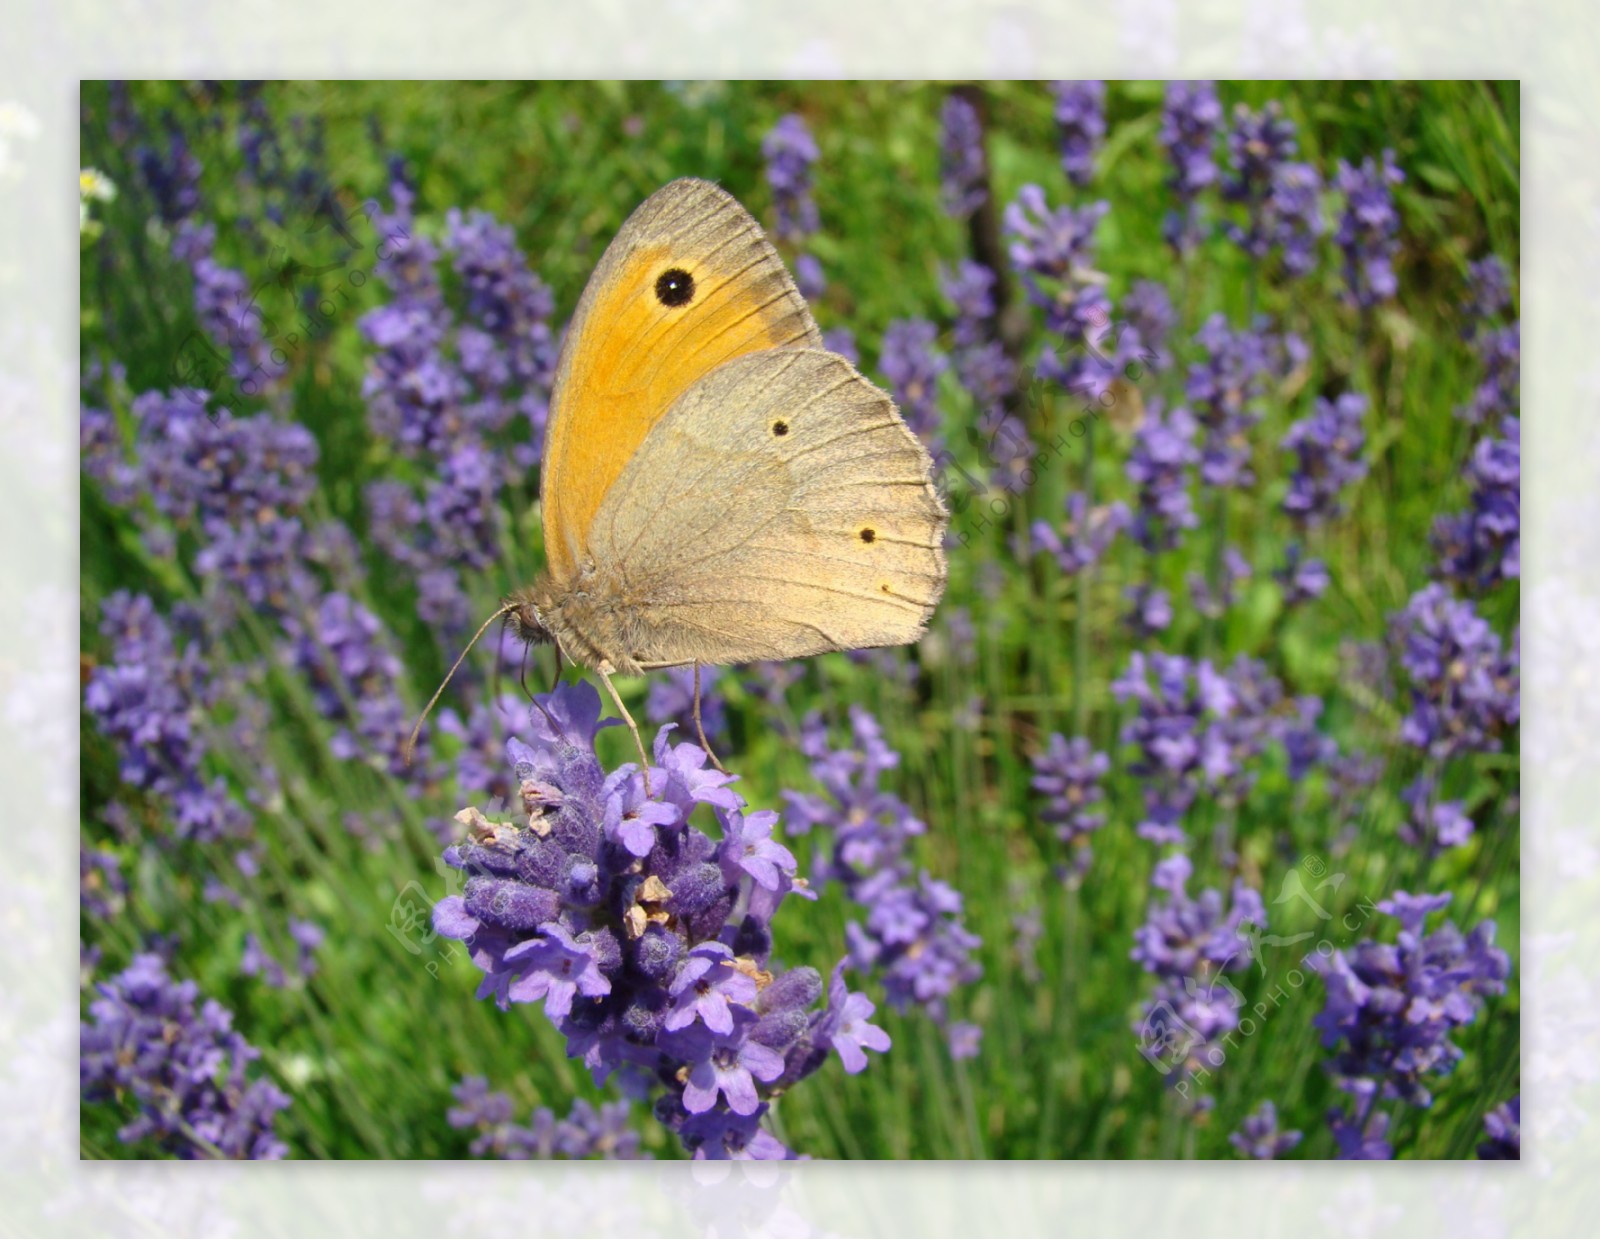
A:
690	282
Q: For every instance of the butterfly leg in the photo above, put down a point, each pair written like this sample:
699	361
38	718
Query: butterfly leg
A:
700	728
644	762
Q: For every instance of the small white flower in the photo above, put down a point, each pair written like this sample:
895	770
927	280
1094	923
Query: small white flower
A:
95	185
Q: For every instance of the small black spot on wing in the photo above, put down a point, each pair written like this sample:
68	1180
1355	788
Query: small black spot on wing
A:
675	287
780	428
868	534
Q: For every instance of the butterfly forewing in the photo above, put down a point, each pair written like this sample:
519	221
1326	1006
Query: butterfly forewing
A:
689	283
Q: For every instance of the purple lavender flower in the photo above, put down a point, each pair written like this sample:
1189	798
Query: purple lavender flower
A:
183	1071
507	349
1258	1136
1003	438
1504	1126
454	526
1327	446
671	700
1053	251
1149	610
355	682
1365	1141
1281	198
227	308
1433	823
963	170
1163	452
256	961
1392	1008
970	288
1191	945
1465	690
1081	118
1068	775
172	176
1224	390
1083	540
911	362
1303	577
1195	729
984	367
914	935
1148	311
790	152
416	397
1499	394
102	889
1306	746
238	484
1369	229
308	938
648	942
1488	292
151	698
1209	602
842	340
1481	547
586	1132
1191	119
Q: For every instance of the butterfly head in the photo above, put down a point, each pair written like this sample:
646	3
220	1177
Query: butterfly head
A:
524	611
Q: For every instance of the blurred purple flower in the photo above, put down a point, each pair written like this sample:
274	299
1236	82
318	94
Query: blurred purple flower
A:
1081	120
912	363
1149	610
1084	538
1481	547
1259	1137
790	152
1303	577
354	675
1224	390
914	935
586	1132
1194	729
1191	119
1433	824
1465	689
671	700
1191	945
1159	464
963	172
1068	775
1281	198
181	1071
1369	229
1327	445
1504	1126
152	700
1392	1008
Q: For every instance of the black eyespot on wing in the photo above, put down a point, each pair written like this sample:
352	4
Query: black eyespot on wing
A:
780	428
868	535
675	287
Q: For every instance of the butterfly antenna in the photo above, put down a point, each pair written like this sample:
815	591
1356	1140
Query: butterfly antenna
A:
499	652
410	749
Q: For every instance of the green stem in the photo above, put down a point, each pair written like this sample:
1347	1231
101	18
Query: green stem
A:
1080	622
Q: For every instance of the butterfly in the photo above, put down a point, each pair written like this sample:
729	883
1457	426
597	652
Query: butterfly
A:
717	488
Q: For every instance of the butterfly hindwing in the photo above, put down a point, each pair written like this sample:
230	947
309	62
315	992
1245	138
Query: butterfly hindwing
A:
781	508
689	283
